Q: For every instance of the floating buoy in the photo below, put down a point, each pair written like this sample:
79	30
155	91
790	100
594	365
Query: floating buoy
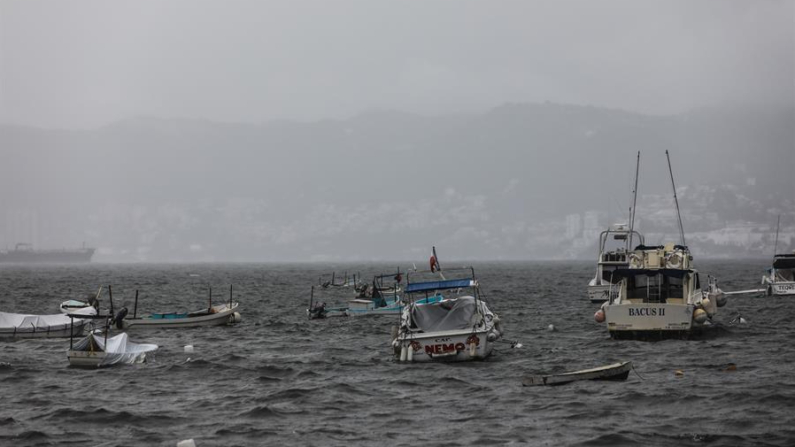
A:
403	353
679	373
599	316
235	318
731	367
186	443
188	349
699	316
721	300
551	328
706	303
410	354
743	320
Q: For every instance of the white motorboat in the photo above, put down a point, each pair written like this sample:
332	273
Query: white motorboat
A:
97	350
42	326
219	315
611	258
457	327
659	294
779	279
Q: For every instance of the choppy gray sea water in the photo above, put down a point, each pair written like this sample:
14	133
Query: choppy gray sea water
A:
278	379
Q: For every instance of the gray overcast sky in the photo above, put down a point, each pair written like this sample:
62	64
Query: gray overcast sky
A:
88	63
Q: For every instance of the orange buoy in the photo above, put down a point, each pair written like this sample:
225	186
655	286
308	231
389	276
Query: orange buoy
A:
599	316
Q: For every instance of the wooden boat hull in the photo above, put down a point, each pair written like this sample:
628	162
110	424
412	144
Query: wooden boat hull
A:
87	359
223	316
614	372
448	346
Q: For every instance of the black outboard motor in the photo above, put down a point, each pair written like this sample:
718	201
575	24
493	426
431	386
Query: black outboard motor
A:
117	320
317	311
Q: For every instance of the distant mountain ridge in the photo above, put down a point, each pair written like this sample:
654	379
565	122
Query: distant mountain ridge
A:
386	184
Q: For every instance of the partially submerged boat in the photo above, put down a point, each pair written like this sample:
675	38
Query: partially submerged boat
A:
42	326
779	279
614	372
457	326
611	258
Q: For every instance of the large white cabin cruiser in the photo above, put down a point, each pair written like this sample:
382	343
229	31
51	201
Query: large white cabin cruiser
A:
611	258
658	295
780	277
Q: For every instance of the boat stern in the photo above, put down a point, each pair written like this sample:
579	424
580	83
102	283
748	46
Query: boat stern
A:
649	320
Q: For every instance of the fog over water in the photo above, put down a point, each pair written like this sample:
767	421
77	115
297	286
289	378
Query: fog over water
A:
360	130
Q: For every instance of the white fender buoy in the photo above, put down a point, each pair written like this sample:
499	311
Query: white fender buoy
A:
551	328
403	353
721	300
743	320
472	349
188	349
410	354
186	443
699	316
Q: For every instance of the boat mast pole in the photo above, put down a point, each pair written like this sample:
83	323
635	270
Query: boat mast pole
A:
676	201
634	201
775	247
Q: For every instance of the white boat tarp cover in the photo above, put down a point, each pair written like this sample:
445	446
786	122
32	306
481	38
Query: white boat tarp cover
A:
448	315
38	322
118	350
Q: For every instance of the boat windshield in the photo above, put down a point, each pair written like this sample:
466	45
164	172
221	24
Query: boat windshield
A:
785	275
655	288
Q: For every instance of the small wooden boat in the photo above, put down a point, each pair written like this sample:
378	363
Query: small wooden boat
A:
616	371
219	315
94	352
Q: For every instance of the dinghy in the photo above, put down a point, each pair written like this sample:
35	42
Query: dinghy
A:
616	371
42	326
96	350
456	326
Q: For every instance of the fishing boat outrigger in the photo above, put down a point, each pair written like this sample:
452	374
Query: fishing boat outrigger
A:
457	326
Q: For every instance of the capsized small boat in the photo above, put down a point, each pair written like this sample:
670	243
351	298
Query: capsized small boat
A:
616	371
42	326
97	350
457	327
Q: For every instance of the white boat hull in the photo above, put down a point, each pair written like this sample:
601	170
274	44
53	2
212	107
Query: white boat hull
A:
224	315
58	332
601	293
658	320
448	346
781	288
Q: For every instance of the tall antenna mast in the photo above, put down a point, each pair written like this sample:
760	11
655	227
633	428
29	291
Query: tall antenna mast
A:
676	201
634	201
775	247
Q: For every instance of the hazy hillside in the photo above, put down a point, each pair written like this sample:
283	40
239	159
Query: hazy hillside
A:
519	181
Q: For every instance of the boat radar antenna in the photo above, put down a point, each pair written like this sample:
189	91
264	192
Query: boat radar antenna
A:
634	201
775	247
676	201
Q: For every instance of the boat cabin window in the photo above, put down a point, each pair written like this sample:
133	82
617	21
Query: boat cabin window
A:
654	289
785	275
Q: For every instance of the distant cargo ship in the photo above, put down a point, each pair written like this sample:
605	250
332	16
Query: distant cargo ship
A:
24	253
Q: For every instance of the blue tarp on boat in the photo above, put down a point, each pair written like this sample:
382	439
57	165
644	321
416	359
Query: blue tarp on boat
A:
439	285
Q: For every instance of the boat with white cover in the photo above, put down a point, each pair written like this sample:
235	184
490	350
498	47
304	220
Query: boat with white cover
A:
611	258
458	326
42	326
97	350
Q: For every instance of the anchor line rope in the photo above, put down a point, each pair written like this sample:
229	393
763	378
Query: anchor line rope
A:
636	372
